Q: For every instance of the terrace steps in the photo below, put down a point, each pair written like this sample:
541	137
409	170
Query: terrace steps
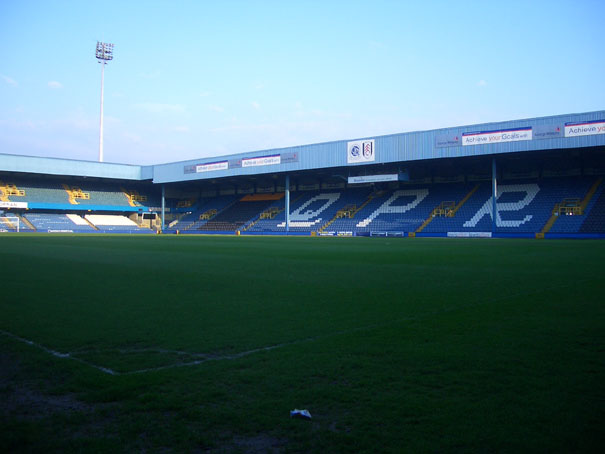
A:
590	194
8	224
9	189
133	197
551	221
74	193
90	223
350	212
578	208
451	213
27	223
269	213
205	216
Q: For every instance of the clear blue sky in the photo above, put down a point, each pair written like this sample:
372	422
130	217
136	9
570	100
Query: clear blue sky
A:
193	79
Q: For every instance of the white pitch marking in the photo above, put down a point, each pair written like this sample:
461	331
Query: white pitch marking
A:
210	357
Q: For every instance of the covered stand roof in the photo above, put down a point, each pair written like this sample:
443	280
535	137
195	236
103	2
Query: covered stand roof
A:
569	131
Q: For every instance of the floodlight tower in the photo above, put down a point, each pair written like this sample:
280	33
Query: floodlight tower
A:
104	54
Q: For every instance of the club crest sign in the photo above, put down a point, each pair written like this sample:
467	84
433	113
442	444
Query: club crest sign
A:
361	151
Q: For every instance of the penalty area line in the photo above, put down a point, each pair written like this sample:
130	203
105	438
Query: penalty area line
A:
58	354
204	357
107	370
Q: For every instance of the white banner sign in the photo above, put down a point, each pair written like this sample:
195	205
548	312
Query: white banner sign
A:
373	178
361	151
13	204
489	137
223	165
587	128
469	234
263	161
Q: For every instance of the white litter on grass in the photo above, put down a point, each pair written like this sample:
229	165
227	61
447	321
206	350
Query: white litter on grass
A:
301	414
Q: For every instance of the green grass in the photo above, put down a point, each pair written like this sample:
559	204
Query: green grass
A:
393	345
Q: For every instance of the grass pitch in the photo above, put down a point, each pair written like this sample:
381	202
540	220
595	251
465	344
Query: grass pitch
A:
204	344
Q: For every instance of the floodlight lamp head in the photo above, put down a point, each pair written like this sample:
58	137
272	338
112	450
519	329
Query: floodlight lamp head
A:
104	51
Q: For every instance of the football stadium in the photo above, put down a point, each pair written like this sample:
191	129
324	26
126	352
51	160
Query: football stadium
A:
431	291
542	177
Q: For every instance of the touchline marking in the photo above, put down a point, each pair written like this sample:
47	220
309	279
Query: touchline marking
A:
206	357
59	354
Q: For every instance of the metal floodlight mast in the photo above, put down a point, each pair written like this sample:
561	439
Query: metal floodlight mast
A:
104	54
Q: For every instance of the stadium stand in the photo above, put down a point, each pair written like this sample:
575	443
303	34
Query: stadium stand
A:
203	211
7	225
115	223
56	222
405	210
431	183
523	206
267	220
594	221
107	195
9	189
312	210
302	210
569	213
237	215
556	205
51	191
33	190
10	223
